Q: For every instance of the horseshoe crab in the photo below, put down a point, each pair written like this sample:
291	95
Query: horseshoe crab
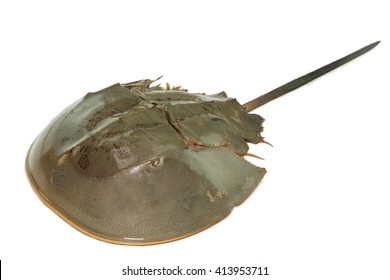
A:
138	164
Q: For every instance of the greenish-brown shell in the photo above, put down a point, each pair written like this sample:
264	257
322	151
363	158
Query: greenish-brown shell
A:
134	164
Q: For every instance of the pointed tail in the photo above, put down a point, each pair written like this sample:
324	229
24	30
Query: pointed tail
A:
294	84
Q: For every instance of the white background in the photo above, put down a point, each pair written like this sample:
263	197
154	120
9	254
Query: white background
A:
322	211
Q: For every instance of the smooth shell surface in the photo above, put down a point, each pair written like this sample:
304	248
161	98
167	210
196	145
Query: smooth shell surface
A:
134	164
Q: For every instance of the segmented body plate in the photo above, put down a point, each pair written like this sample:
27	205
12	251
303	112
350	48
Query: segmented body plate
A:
134	164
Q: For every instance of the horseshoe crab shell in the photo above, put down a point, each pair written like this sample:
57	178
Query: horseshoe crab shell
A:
134	164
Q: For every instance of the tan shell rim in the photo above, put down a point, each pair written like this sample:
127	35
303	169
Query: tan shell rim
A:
87	232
